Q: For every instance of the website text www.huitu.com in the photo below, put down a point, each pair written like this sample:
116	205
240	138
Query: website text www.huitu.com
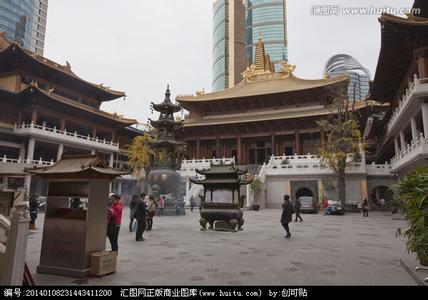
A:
336	10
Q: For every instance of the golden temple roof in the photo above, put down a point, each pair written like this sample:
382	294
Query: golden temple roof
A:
265	84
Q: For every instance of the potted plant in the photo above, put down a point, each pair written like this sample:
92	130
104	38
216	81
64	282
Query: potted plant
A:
285	161
413	205
256	187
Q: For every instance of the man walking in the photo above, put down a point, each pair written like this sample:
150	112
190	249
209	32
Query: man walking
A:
140	215
297	206
287	215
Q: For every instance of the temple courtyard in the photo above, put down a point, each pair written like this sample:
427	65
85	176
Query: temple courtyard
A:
323	250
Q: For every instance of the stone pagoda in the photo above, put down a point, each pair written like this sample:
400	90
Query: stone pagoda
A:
163	178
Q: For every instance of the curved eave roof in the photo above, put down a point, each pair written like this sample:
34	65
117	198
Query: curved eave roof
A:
283	114
163	122
400	37
272	84
15	51
37	91
77	165
166	105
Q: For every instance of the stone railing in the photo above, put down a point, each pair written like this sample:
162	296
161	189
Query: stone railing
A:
12	257
305	164
410	153
65	136
416	87
189	166
377	169
5	159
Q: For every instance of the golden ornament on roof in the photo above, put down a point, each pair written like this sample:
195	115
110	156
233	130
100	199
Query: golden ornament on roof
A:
286	68
250	73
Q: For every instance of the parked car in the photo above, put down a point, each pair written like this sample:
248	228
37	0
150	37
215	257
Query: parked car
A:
308	204
335	208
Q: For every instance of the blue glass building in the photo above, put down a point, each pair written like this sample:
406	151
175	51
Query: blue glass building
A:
341	64
267	18
16	18
24	21
220	42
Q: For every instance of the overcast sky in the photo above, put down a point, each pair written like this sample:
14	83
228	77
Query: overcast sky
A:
139	46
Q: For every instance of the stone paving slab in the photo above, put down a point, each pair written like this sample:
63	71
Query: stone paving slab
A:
323	250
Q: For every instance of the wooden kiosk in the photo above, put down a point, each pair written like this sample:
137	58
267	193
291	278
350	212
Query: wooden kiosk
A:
70	235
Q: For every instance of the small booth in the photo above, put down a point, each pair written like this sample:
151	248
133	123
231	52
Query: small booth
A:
76	213
224	212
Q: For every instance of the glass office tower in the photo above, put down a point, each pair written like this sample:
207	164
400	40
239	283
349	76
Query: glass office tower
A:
267	18
220	41
24	21
359	76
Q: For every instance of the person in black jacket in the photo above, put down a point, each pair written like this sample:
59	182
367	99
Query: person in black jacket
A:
287	215
140	215
297	206
34	205
132	210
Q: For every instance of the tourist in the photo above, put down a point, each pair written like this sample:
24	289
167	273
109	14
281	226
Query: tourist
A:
114	219
365	208
140	216
161	205
297	206
33	205
192	203
151	208
177	208
132	209
287	215
325	205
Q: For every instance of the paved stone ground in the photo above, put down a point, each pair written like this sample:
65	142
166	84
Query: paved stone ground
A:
323	250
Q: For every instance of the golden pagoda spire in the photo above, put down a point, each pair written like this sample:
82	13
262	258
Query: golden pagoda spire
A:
260	56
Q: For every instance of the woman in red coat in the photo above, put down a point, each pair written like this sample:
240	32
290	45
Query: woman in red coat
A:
114	221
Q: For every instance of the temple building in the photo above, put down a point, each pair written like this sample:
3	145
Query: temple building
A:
268	122
267	113
401	80
47	110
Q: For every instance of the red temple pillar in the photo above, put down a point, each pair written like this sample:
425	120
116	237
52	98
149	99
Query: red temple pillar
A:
217	150
422	62
34	116
94	132
239	149
322	138
297	143
273	150
62	125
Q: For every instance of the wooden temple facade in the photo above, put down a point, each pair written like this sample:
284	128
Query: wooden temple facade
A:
47	110
401	81
265	114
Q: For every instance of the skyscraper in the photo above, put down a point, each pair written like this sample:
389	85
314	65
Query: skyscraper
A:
229	58
359	76
237	26
24	21
267	18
